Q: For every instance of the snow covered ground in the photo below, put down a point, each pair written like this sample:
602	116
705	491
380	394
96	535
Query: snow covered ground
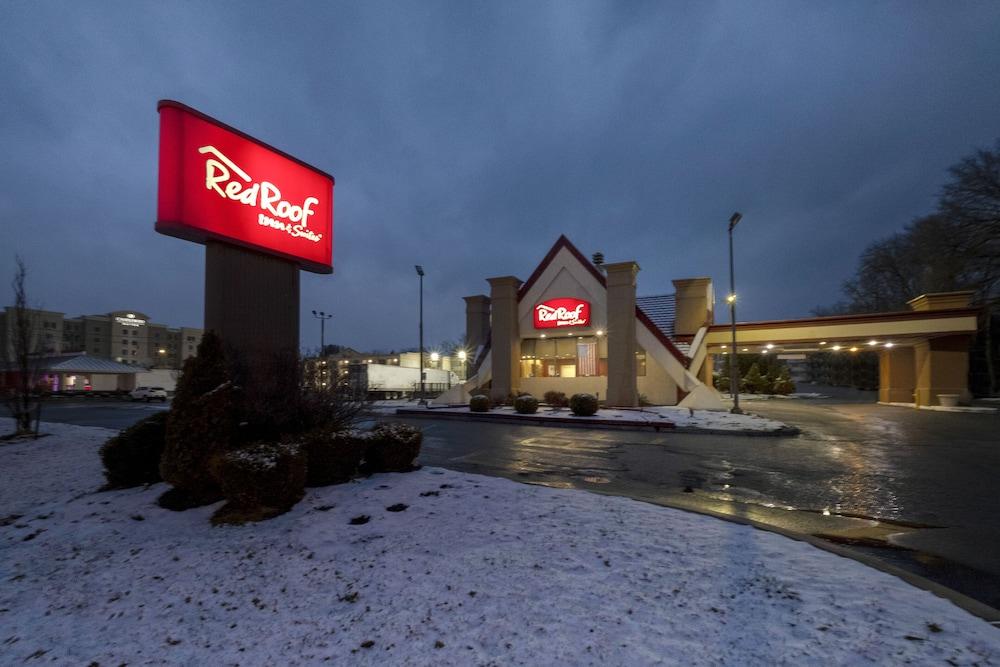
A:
472	571
769	397
707	420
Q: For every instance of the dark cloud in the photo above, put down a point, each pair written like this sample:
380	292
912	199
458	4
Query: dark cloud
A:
468	136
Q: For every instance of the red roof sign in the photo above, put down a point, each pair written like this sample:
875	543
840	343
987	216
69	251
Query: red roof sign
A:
218	183
564	312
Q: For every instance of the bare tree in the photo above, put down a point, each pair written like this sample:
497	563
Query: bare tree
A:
19	353
927	256
972	202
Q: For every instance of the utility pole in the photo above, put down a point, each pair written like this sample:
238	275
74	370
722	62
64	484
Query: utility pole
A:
420	272
734	369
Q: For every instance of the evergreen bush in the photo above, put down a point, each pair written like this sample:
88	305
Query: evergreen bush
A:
753	382
132	458
583	405
392	447
783	384
479	403
259	481
332	456
202	424
526	404
556	399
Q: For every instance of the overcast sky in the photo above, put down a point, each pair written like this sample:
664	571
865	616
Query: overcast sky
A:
467	136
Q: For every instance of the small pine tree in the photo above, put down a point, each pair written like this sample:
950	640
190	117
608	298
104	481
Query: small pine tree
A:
754	381
783	383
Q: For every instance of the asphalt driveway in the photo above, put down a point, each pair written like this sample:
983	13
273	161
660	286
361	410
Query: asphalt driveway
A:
871	476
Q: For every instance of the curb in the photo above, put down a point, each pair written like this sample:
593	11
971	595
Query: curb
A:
980	609
576	422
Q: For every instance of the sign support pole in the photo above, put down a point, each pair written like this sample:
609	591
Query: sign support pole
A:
252	303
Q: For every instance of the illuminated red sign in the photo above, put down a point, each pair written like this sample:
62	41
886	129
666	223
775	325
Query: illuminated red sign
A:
565	312
217	183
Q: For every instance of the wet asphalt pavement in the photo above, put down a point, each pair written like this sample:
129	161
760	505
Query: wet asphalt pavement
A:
918	489
876	478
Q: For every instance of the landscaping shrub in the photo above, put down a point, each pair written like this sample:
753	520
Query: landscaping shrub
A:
132	458
392	447
722	383
259	481
203	423
556	399
783	384
332	456
754	382
583	405
479	403
526	404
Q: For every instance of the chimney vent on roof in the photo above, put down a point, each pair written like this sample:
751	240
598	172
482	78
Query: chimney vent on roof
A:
597	258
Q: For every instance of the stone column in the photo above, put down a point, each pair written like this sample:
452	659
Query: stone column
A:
707	371
941	366
505	345
477	320
694	300
896	375
622	384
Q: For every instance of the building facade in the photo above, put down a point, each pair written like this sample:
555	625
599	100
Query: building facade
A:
125	336
574	327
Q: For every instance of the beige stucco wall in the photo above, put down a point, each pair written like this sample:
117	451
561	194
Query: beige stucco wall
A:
656	385
564	277
537	387
694	304
942	367
896	375
623	390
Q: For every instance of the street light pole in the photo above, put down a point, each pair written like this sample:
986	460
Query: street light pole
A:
322	317
734	369
420	272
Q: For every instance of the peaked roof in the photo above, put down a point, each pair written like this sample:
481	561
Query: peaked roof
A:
82	363
661	310
561	242
659	307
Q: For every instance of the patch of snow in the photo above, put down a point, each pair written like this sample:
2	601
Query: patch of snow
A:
772	397
958	408
389	407
713	420
463	570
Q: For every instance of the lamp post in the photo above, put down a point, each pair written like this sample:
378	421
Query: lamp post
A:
322	317
463	356
734	369
420	272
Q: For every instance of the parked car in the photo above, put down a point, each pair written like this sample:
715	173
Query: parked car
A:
149	394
